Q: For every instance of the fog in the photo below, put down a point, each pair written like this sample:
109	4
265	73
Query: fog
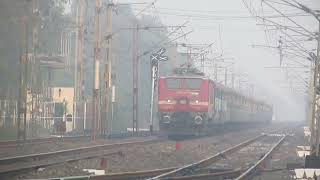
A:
234	31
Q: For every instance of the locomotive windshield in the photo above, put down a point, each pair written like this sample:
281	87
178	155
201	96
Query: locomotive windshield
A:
185	83
193	83
173	83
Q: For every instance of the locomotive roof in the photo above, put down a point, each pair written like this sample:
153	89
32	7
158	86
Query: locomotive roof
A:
189	77
220	86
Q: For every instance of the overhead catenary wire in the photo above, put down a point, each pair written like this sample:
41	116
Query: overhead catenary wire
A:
288	18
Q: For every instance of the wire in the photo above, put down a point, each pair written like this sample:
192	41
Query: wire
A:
285	27
218	17
165	43
288	18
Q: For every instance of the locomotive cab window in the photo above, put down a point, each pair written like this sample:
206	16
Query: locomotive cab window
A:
173	83
193	83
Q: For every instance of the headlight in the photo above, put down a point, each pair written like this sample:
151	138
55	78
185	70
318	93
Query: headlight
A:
169	101
197	101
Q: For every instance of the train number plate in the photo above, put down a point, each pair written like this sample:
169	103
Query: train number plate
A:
183	101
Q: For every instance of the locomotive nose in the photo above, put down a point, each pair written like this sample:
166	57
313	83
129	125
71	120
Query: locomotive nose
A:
198	120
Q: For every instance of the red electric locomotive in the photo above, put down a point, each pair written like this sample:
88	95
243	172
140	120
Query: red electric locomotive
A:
191	105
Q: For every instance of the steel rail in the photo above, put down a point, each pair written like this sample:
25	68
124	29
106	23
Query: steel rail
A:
251	171
208	161
208	176
15	143
132	175
6	163
16	169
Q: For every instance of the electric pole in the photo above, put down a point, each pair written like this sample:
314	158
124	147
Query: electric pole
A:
280	50
135	80
315	131
35	89
226	76
97	58
23	77
79	63
216	72
108	95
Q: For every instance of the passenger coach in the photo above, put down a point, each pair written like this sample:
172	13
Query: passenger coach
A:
192	105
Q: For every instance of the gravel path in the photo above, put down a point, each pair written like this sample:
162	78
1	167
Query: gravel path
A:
286	154
147	157
61	145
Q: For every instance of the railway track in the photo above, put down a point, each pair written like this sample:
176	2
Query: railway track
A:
17	164
36	141
191	171
195	170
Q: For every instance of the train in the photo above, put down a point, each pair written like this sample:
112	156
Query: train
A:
194	105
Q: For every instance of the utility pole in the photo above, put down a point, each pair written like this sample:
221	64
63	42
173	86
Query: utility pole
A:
25	80
97	58
135	80
232	80
315	128
79	63
216	72
35	76
226	77
23	72
280	50
108	81
202	62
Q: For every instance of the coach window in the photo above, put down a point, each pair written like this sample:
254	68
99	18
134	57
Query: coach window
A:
173	83
193	83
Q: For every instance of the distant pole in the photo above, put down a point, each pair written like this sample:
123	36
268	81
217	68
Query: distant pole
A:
78	63
35	89
21	81
202	63
226	77
76	58
108	82
135	77
25	82
315	108
97	58
232	79
216	72
280	50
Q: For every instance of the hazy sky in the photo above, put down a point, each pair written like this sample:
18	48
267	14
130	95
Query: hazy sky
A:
238	32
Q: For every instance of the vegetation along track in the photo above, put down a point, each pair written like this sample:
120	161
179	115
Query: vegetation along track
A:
26	162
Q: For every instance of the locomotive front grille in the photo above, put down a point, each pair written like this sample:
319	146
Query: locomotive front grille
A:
183	101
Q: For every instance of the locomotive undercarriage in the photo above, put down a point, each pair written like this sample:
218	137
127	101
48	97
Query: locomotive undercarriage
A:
183	123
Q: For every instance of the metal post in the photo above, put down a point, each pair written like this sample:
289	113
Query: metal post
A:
108	73
25	81
226	77
202	63
315	108
85	116
153	82
135	100
97	57
113	100
216	72
76	57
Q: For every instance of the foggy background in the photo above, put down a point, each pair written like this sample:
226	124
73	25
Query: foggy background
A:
233	30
